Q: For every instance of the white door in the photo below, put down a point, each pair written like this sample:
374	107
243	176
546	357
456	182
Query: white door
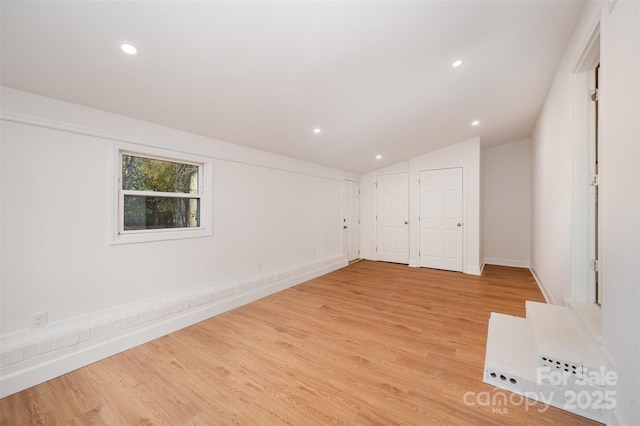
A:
392	217
441	219
351	219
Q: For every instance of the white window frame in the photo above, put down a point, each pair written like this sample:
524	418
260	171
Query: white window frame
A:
205	174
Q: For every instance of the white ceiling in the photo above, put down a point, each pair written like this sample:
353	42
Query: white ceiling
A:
376	77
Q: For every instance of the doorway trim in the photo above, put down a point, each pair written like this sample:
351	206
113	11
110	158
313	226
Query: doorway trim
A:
583	224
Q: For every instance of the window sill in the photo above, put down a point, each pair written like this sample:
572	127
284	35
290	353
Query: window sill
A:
133	237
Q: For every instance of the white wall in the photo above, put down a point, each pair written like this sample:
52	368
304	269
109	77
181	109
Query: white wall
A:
506	204
277	221
552	171
553	167
464	154
620	199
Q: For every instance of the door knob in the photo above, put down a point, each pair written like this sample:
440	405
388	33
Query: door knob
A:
406	222
344	227
459	224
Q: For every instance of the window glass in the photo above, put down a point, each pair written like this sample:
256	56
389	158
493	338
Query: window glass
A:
143	212
159	196
149	174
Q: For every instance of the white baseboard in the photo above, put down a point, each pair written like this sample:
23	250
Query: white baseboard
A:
28	359
369	256
541	286
473	270
506	262
615	419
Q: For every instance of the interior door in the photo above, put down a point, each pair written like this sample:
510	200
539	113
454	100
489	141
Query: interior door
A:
351	219
441	219
392	217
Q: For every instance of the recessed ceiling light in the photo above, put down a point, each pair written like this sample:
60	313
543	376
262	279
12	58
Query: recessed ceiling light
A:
378	157
475	123
129	49
316	131
456	63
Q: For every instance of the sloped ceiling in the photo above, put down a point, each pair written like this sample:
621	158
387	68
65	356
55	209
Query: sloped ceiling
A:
374	77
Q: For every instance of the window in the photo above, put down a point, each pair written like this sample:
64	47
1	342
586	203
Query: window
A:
160	196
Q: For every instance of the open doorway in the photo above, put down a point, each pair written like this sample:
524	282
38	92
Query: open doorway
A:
595	123
587	200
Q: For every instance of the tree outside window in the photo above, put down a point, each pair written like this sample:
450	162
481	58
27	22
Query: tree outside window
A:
159	193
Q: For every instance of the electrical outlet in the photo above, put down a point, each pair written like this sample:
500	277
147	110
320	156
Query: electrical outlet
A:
38	319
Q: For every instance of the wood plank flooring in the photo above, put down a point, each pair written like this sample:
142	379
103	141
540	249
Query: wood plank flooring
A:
371	344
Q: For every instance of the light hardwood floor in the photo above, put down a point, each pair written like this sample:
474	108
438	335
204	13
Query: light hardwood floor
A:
371	344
